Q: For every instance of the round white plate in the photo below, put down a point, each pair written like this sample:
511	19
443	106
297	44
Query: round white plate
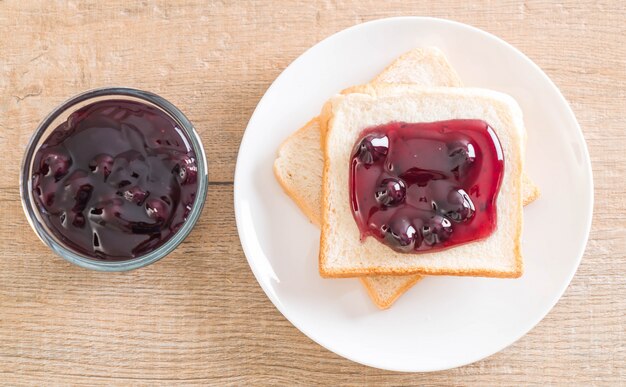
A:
442	322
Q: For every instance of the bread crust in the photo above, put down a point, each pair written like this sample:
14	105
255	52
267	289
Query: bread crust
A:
324	121
374	271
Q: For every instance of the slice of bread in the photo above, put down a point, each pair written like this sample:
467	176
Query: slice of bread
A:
343	254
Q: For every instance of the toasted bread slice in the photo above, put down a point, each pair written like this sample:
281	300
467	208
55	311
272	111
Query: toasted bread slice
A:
343	254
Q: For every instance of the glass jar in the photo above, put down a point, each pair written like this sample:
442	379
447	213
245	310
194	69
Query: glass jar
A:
60	115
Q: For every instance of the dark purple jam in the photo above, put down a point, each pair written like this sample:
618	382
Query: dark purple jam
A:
116	180
428	186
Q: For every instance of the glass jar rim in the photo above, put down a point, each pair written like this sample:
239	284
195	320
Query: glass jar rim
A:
101	265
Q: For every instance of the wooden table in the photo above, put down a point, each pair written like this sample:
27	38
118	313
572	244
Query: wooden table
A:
199	316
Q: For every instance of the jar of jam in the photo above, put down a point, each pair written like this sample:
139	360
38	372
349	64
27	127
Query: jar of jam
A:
114	179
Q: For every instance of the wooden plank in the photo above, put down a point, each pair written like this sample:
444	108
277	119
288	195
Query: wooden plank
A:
199	317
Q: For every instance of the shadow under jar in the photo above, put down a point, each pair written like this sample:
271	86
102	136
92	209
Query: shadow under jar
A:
114	179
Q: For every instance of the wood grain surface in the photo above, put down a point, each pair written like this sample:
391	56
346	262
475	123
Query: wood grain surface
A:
199	317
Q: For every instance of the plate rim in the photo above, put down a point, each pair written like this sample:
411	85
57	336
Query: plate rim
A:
248	251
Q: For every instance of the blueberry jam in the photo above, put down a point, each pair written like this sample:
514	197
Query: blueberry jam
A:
428	186
116	180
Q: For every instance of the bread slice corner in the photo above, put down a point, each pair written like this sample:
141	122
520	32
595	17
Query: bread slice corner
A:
424	66
530	190
384	290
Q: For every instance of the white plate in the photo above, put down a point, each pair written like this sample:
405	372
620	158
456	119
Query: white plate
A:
441	322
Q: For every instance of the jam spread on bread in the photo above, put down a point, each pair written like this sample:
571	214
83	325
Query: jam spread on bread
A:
422	187
116	180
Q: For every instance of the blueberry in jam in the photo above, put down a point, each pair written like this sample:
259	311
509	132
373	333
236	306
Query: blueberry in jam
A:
116	180
423	187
